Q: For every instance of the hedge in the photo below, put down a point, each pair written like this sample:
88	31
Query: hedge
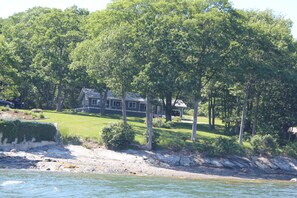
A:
12	129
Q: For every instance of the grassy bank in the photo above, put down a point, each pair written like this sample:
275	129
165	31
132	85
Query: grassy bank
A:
89	126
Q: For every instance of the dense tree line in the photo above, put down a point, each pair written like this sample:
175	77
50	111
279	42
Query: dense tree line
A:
241	64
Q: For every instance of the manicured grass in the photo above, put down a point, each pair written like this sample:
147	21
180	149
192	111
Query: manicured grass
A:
201	119
89	126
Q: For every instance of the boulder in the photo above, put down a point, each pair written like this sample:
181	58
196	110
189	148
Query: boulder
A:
172	160
187	161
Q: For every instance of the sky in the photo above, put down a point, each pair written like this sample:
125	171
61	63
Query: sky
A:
286	8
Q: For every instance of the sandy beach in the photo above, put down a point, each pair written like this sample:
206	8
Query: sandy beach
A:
76	158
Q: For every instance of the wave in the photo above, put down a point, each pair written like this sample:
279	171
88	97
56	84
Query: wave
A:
11	182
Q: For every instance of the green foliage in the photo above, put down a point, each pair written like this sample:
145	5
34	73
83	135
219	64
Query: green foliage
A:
264	144
4	108
117	135
41	116
36	110
26	131
176	119
220	147
161	123
223	146
290	150
156	137
175	144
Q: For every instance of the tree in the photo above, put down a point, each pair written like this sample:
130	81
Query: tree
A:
208	33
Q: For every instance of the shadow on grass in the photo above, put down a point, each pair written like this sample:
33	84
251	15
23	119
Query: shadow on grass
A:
201	127
110	116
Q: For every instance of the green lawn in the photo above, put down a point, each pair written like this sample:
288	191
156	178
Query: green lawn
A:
89	126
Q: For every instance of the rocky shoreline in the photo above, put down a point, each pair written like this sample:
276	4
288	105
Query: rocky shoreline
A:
73	158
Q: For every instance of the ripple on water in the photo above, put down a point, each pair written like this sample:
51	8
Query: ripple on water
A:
48	184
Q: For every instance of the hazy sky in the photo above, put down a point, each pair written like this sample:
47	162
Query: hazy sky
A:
287	8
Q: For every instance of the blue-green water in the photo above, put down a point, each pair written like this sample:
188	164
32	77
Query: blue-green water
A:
48	184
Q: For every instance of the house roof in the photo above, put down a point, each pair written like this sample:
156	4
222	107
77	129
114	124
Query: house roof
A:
91	93
180	103
293	130
130	96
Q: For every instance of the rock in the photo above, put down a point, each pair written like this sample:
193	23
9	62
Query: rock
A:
144	157
228	164
263	166
284	164
186	161
172	160
267	163
241	162
213	162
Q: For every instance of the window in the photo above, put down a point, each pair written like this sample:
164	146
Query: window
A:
116	104
95	102
132	105
107	103
142	107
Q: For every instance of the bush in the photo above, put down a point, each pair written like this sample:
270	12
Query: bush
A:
36	110
26	131
4	108
117	135
291	150
264	144
161	123
223	146
41	116
175	144
156	137
176	119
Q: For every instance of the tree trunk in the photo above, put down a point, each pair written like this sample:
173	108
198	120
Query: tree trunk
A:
209	112
255	119
168	108
103	98
124	111
195	115
243	113
213	113
149	123
236	131
59	97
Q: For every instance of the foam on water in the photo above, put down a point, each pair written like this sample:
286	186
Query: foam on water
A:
11	182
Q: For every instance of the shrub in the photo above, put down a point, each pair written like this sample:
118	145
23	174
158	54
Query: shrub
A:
175	144
264	144
36	110
161	123
41	116
176	119
156	137
189	112
291	150
27	131
5	109
117	135
223	146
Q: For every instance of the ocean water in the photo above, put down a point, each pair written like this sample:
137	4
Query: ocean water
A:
18	183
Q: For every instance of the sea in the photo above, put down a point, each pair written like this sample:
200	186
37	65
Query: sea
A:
26	183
